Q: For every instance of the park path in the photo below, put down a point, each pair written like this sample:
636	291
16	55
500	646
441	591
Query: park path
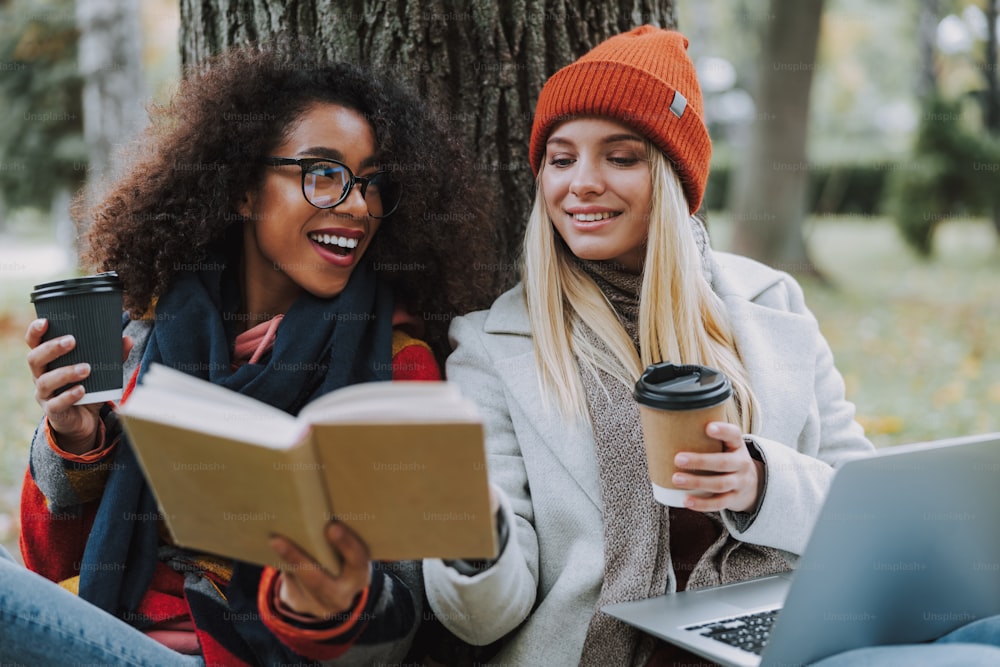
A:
20	258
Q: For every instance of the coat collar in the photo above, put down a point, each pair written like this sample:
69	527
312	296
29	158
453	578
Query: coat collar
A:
509	313
741	277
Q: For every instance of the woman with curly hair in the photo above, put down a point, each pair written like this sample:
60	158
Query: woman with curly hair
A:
278	233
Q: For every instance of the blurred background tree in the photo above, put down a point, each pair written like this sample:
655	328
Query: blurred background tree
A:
956	152
43	156
768	194
876	75
875	143
75	77
109	58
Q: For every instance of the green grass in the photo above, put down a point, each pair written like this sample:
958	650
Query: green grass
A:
916	340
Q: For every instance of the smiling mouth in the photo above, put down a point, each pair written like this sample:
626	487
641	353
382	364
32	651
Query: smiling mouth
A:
339	245
594	217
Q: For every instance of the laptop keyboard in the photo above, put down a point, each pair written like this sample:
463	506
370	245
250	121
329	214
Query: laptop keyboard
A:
749	632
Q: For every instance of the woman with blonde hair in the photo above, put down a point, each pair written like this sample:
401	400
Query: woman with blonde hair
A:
618	274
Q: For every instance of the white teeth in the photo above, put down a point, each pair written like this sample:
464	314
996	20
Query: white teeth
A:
332	239
593	217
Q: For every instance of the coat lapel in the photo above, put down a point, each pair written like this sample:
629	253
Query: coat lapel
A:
778	349
571	445
777	346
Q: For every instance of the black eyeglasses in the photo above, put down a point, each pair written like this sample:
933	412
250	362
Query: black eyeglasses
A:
326	183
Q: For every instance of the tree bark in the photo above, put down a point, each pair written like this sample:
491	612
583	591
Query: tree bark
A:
768	201
482	64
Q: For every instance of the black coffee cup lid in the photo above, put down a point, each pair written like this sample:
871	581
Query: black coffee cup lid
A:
669	386
101	282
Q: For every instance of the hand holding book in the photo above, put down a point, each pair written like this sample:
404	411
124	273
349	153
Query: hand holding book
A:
307	588
402	464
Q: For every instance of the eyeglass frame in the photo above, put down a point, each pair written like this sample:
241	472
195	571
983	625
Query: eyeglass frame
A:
306	162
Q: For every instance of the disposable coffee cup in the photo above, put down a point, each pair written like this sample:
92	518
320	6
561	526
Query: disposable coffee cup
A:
676	403
90	309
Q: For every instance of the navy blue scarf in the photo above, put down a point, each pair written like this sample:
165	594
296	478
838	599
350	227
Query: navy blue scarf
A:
194	332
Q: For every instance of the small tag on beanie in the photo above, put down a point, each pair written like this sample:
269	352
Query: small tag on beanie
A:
679	104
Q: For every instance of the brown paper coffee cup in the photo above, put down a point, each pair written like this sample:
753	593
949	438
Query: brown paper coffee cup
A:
676	403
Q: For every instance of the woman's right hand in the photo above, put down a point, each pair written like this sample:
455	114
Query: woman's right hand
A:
307	588
73	426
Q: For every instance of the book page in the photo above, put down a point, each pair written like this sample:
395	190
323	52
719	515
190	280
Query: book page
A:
225	497
392	402
170	397
410	491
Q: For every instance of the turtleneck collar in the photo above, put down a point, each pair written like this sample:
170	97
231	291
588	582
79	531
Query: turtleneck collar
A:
621	287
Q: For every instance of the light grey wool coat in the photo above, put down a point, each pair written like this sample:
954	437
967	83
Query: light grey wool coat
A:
547	580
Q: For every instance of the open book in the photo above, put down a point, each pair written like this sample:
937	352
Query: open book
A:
400	463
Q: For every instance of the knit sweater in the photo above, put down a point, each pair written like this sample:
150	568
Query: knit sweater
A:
62	491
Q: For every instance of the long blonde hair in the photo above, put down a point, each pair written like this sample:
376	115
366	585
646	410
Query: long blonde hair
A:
680	318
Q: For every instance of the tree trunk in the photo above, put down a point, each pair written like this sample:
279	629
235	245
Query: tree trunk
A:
482	64
768	200
992	93
992	90
110	62
926	37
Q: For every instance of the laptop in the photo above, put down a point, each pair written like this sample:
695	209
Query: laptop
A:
905	549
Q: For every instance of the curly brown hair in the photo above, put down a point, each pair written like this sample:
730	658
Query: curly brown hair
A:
202	153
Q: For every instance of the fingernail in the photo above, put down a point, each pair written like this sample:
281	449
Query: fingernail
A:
713	429
66	341
38	324
82	369
681	460
679	479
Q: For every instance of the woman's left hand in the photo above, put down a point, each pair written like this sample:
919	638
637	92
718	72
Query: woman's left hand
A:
736	486
306	588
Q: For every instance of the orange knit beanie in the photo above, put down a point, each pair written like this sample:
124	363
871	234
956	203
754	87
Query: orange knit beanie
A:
645	79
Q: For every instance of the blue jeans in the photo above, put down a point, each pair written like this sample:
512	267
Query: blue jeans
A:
42	623
974	645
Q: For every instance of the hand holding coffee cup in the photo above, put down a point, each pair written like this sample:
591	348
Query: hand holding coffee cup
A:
76	354
695	459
